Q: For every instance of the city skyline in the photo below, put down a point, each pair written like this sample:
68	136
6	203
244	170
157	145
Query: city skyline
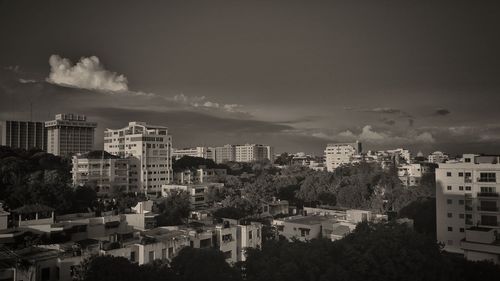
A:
296	76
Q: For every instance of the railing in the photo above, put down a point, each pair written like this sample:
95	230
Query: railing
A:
491	223
468	180
487	209
486	180
487	194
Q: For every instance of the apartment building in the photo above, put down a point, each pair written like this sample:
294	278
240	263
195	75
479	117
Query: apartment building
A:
148	149
23	134
254	152
410	174
197	193
437	157
467	202
70	134
102	171
337	154
226	153
199	151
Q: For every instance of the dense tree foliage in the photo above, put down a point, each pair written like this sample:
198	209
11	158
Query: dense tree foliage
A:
361	185
189	163
189	265
371	252
174	209
28	177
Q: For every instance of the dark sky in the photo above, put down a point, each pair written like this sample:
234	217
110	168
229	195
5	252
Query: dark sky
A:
295	74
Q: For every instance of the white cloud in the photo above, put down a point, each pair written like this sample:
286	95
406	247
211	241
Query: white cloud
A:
88	73
425	137
202	102
368	134
26	81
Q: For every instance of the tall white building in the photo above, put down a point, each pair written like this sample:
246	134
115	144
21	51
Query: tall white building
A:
226	153
149	149
253	152
70	134
467	202
337	154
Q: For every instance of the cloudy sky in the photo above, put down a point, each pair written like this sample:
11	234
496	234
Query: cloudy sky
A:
293	74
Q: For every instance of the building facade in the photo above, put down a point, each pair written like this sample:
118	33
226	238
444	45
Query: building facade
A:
467	202
253	152
337	154
102	171
23	134
70	134
148	149
226	153
199	151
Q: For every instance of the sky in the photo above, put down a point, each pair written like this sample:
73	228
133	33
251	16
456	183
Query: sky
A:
423	75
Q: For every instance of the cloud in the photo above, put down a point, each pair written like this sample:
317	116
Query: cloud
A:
425	137
26	81
368	134
202	102
88	73
442	112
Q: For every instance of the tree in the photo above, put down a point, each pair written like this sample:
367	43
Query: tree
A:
175	208
203	264
99	268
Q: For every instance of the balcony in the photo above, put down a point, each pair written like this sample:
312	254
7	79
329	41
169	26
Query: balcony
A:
468	222
487	194
487	209
488	223
468	208
481	239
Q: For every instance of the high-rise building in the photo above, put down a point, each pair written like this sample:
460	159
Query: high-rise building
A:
23	134
225	153
467	206
70	134
337	154
148	147
253	152
105	172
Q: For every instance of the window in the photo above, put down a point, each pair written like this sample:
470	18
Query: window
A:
487	189
448	187
450	215
151	256
46	274
487	177
448	174
250	235
227	255
461	202
468	188
132	256
449	201
461	216
468	174
461	188
467	160
163	254
462	229
450	228
460	174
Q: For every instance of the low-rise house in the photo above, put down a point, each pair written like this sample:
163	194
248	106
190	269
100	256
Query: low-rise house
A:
196	191
301	227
